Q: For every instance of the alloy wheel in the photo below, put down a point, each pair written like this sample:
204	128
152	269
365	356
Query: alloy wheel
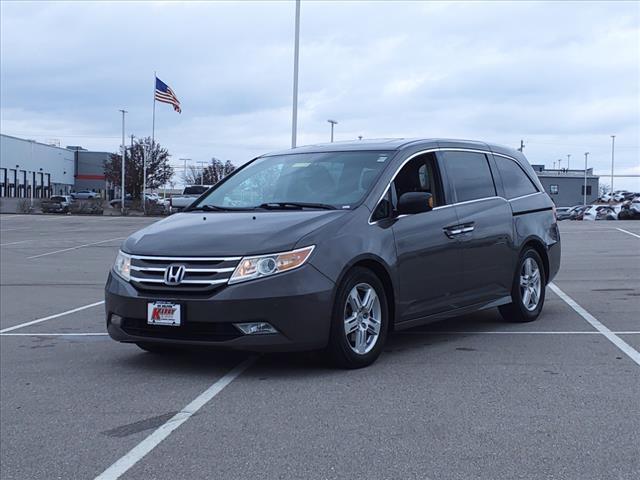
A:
530	284
362	318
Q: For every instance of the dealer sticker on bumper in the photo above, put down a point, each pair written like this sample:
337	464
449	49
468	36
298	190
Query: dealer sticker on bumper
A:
163	313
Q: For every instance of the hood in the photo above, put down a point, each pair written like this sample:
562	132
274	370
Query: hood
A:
227	233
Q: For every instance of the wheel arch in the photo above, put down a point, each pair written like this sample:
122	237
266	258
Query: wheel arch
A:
538	245
381	270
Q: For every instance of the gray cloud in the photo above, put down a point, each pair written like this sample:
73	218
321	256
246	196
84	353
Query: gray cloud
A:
561	75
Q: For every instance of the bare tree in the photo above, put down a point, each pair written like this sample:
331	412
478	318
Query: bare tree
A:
159	171
209	175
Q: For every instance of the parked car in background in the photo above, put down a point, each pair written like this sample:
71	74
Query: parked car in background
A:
56	204
619	195
84	195
575	213
606	213
189	195
563	213
607	197
117	202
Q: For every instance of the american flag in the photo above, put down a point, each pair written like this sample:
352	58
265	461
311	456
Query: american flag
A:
165	94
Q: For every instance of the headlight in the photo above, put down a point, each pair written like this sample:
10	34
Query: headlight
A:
122	265
266	265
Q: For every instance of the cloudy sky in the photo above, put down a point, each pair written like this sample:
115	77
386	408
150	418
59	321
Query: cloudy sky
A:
563	76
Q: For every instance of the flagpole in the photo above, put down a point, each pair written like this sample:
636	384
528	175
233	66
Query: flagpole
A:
153	141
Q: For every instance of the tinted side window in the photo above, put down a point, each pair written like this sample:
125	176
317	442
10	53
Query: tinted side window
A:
470	175
516	183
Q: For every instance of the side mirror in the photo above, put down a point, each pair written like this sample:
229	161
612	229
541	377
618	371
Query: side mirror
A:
415	202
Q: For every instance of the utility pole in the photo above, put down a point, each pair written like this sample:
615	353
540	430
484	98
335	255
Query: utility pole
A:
332	122
586	154
568	160
124	154
613	144
296	47
184	175
521	145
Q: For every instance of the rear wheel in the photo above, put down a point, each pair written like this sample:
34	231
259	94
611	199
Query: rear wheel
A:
359	321
528	290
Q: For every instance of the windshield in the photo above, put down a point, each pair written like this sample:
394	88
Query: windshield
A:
336	179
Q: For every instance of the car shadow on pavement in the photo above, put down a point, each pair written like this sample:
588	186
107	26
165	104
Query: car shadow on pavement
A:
201	361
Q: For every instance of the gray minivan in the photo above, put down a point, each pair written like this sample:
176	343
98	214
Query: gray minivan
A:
334	246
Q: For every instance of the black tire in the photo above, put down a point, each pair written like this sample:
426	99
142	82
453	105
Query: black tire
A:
157	348
340	350
516	311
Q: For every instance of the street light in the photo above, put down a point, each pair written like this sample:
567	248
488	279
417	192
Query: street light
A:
586	154
124	154
332	122
613	143
568	160
296	48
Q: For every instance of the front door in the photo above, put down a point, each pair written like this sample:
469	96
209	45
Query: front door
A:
429	263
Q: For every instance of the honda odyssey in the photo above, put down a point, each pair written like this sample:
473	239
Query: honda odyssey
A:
335	246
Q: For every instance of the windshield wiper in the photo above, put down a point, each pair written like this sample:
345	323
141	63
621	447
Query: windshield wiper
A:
295	206
207	208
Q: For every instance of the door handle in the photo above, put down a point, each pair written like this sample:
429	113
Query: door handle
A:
451	232
459	229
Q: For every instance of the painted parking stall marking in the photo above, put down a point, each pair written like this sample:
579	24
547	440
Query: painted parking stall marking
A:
75	248
51	317
611	336
152	441
628	232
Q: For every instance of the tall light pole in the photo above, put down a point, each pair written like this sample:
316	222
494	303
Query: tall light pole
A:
568	160
613	144
201	171
586	154
184	169
332	122
124	154
294	116
559	163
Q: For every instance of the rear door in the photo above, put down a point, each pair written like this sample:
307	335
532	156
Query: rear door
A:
485	227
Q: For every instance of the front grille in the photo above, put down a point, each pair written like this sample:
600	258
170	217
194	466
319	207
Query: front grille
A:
202	274
191	331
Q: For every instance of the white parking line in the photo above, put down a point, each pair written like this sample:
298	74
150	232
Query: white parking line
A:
630	233
471	332
96	334
611	336
14	243
50	317
162	432
75	248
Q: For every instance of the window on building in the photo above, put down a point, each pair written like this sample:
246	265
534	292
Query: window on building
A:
588	190
553	189
515	181
470	174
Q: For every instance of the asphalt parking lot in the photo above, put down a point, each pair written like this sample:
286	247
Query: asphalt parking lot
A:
467	398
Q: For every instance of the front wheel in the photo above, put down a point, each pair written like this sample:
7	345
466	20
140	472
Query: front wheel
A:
359	321
528	290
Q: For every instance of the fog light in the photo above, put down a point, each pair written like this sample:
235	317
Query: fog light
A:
116	320
255	328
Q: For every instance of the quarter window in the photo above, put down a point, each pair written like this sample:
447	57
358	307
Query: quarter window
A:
515	181
470	175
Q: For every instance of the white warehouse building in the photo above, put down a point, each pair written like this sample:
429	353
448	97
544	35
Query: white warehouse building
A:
27	165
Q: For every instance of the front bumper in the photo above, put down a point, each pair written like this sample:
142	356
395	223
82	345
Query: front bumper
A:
297	303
